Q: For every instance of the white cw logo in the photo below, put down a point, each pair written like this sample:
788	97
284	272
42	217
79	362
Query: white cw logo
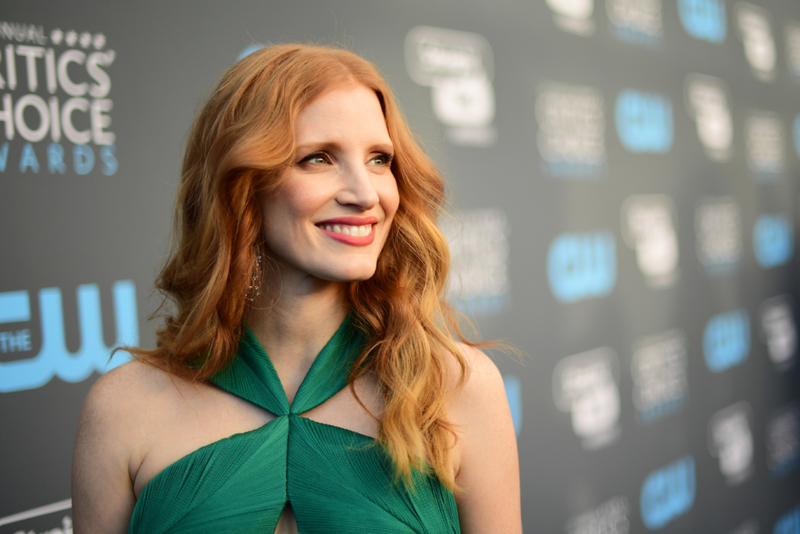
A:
574	16
586	386
778	330
458	67
648	227
707	103
755	31
731	440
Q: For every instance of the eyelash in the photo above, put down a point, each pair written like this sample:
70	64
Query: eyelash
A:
387	158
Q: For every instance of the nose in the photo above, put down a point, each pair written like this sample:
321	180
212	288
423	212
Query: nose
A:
358	189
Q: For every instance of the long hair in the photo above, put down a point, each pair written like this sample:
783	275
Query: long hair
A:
238	146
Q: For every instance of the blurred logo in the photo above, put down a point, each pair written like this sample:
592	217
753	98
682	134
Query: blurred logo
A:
574	16
70	101
764	139
54	359
659	370
731	440
586	386
458	67
792	34
773	240
571	137
748	527
779	331
717	225
648	227
668	493
31	521
644	121
796	131
582	265
478	282
514	396
611	517
726	340
704	19
783	440
788	523
636	21
753	24
707	103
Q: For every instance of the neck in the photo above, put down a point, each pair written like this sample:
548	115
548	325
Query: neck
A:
293	323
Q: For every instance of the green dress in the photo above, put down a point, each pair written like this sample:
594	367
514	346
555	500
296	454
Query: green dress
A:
336	480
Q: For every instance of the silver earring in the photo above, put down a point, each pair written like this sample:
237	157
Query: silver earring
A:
255	281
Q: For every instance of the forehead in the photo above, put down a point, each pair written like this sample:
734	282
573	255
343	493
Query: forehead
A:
351	112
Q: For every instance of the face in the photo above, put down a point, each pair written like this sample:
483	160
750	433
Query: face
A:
332	214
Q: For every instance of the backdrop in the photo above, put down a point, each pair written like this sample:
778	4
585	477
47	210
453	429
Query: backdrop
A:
624	184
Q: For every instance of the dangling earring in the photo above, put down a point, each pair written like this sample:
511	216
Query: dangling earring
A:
255	281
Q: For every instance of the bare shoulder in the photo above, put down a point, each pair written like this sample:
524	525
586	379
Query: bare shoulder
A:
483	380
486	450
128	393
111	440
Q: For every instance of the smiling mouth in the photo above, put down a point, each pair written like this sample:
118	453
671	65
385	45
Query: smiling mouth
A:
344	229
355	231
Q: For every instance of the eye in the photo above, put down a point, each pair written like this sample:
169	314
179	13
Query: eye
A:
317	158
383	160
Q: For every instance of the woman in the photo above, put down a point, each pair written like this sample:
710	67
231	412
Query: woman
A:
306	231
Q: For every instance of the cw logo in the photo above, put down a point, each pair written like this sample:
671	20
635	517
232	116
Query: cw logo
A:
582	265
668	493
53	358
644	121
703	19
726	340
773	240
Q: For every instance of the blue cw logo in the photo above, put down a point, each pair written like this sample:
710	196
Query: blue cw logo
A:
703	19
773	240
726	340
668	493
644	121
54	359
788	523
581	266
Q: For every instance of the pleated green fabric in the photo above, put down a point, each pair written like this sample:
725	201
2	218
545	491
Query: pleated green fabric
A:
336	480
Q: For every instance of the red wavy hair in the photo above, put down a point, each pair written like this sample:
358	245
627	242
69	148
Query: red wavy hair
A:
238	147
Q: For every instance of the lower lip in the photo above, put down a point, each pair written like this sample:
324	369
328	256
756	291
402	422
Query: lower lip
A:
357	241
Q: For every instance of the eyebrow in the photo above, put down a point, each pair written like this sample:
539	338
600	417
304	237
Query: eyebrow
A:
334	146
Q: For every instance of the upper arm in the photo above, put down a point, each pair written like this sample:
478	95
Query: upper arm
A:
489	466
102	492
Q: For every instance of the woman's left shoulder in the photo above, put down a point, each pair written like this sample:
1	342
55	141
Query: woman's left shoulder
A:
485	458
483	382
482	396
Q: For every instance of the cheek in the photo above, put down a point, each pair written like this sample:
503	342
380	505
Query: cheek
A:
390	198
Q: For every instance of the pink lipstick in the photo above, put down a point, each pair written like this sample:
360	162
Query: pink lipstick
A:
360	230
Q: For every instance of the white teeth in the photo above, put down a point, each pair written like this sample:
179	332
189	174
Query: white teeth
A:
358	231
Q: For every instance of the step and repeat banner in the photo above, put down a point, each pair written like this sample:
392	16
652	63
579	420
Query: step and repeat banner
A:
625	187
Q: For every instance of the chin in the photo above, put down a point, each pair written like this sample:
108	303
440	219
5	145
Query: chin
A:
353	274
